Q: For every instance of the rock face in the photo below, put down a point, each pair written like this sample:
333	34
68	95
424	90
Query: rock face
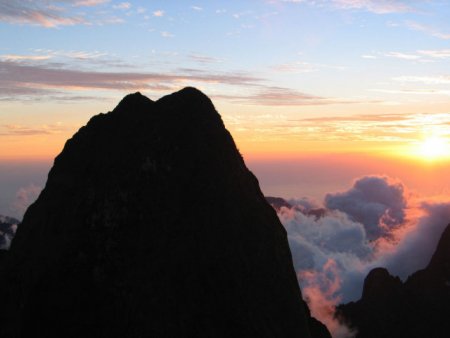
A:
420	307
150	225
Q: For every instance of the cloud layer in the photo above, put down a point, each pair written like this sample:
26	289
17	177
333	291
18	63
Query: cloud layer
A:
374	223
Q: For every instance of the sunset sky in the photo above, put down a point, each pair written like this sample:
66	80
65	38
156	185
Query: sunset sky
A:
363	83
341	106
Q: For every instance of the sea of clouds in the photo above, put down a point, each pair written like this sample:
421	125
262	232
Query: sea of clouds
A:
335	243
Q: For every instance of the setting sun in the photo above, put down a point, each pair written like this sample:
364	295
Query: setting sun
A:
433	148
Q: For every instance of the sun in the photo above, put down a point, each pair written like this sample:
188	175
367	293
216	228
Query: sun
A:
433	148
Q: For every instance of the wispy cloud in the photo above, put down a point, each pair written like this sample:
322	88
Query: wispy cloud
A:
46	129
303	67
28	79
204	58
158	13
279	96
416	91
437	54
431	55
17	57
369	56
374	6
378	128
37	12
46	54
122	6
428	29
89	3
49	14
197	8
18	77
429	80
165	34
403	56
381	129
295	67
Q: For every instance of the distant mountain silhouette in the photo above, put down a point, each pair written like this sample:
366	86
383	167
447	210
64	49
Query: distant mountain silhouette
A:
420	307
151	225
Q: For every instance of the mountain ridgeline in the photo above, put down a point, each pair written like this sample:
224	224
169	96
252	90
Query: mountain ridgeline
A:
151	225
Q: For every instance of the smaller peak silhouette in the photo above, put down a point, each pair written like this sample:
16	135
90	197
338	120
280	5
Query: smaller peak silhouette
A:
188	102
419	307
380	284
440	262
134	102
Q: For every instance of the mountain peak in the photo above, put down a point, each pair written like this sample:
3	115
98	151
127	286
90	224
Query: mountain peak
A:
380	284
134	102
441	257
151	225
189	103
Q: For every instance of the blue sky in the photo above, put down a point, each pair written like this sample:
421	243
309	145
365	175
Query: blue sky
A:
341	49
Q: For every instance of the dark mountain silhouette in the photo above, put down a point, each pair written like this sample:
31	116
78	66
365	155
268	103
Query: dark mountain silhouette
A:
420	307
151	225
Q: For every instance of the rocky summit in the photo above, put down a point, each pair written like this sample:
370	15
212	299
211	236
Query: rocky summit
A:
151	225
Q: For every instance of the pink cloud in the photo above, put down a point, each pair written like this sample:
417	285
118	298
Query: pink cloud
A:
36	13
320	292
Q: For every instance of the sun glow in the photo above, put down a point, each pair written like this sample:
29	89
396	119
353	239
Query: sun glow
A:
433	148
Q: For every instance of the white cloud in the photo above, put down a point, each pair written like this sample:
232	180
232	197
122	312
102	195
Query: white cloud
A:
368	56
428	29
403	56
437	54
90	3
429	80
122	6
158	13
374	6
165	34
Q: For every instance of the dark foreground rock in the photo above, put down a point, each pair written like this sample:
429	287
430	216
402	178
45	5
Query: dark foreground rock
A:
150	225
420	307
